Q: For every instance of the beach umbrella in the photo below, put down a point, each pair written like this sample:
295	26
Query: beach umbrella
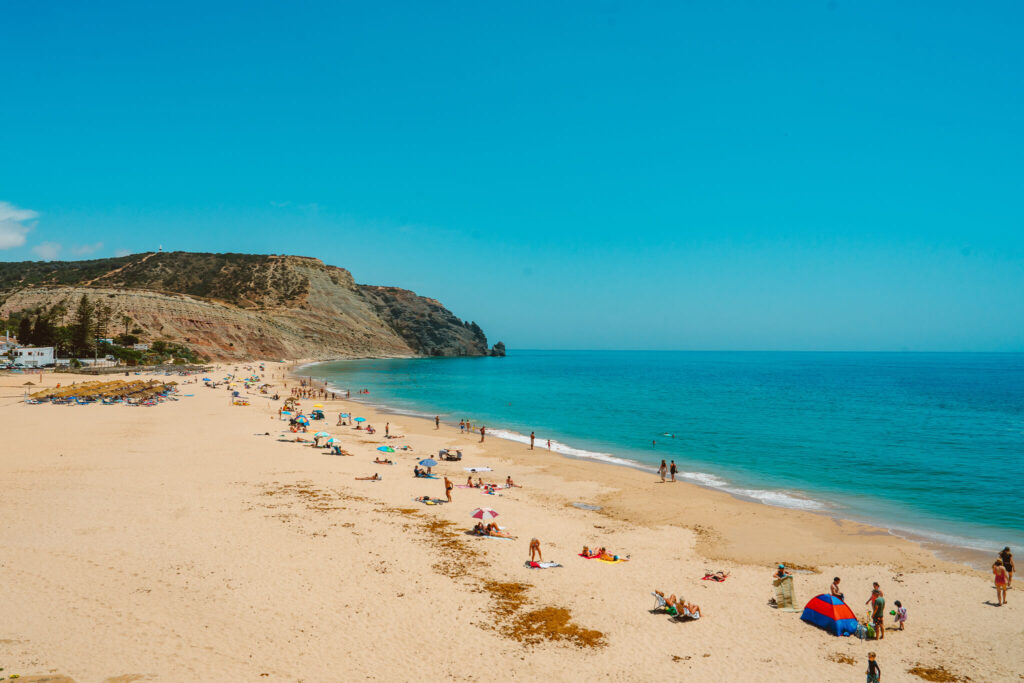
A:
387	449
286	412
332	441
346	415
484	513
302	421
428	463
321	434
360	419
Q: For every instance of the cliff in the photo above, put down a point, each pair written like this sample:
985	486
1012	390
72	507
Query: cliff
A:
239	306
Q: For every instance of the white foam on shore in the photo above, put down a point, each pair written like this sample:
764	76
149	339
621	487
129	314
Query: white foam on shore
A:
564	449
768	497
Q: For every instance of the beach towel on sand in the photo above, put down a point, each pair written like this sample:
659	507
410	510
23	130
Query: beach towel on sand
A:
594	557
712	577
477	469
541	565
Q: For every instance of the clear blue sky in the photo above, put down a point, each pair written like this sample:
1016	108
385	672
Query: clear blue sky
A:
679	175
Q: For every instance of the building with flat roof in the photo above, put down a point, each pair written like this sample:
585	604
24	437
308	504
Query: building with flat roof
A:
33	356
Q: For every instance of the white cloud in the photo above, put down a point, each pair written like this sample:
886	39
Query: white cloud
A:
13	225
48	251
122	252
86	249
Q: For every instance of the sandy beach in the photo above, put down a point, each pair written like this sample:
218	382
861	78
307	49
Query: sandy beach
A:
194	541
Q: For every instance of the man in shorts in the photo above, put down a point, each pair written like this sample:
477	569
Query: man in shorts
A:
878	613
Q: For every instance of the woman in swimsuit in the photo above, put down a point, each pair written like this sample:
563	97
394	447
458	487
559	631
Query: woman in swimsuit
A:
1000	573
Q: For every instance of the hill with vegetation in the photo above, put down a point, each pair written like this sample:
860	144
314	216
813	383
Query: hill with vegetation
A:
227	307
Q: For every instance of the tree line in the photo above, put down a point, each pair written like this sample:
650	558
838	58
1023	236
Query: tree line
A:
71	333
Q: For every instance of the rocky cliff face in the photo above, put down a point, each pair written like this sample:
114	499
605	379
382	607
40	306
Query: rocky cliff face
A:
236	306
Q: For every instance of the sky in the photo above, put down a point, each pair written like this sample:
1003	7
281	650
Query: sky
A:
593	175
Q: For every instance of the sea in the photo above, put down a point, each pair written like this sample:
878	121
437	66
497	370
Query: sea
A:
927	445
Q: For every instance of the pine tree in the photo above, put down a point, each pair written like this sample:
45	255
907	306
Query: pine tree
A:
82	330
25	331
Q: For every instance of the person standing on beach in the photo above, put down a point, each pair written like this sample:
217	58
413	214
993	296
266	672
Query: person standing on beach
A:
1007	557
532	437
437	422
387	429
462	426
673	470
663	470
549	444
874	672
875	588
999	571
878	614
535	550
448	486
483	430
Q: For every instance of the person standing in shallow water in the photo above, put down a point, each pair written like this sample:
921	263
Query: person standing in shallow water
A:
672	470
532	437
437	422
483	430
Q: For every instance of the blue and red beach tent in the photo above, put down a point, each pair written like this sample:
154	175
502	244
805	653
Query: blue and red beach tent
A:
832	614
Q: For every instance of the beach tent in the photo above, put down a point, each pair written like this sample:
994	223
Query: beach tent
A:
832	614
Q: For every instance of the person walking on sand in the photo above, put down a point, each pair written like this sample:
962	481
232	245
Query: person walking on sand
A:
483	430
535	550
1007	557
999	571
532	437
462	426
437	422
448	486
673	470
387	429
663	470
874	672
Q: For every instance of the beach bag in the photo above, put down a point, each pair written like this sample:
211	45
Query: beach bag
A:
870	629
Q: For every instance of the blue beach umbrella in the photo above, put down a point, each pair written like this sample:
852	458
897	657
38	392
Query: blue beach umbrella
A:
428	463
346	415
321	434
360	419
286	412
387	449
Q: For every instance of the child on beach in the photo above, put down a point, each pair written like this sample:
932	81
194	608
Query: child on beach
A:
901	614
874	672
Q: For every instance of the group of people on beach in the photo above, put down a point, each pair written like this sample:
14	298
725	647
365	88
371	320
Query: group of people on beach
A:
1002	570
668	470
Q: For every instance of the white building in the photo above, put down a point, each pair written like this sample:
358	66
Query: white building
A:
33	356
141	346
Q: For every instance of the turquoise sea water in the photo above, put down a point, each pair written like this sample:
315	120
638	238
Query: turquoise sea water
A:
927	444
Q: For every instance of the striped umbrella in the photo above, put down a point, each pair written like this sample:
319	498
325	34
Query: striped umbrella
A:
484	513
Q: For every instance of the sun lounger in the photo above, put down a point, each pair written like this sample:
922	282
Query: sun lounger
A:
687	615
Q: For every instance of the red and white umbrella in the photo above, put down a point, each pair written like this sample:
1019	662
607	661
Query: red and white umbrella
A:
484	513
